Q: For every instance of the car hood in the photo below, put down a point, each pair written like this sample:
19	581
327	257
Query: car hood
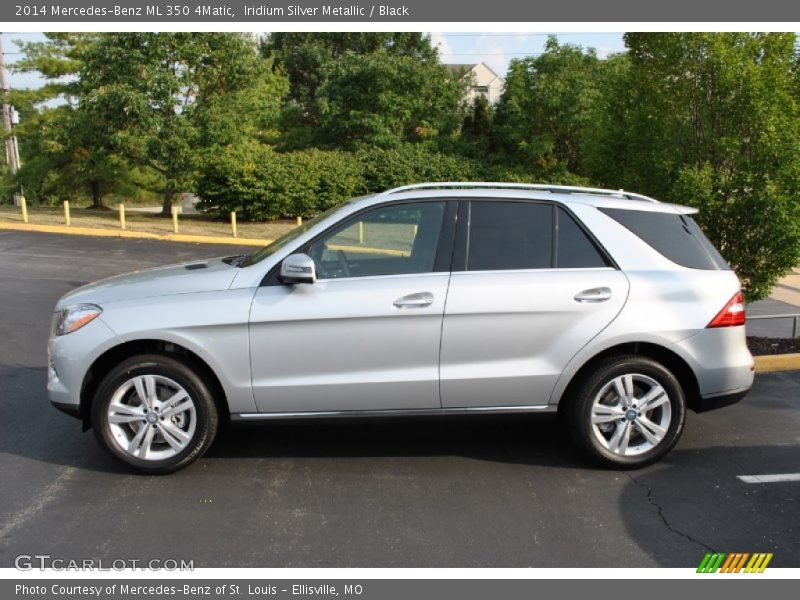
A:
198	276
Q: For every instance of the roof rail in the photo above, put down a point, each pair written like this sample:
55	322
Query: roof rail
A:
554	189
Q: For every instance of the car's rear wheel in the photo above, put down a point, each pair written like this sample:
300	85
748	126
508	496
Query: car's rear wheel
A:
628	412
155	413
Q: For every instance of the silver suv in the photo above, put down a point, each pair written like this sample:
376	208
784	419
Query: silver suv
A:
442	298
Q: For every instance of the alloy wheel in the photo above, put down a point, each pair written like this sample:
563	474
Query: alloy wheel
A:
631	414
151	417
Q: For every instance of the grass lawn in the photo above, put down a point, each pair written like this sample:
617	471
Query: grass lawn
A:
190	224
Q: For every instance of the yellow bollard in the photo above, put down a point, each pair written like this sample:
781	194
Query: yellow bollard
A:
67	220
174	219
299	221
24	206
121	215
233	223
361	232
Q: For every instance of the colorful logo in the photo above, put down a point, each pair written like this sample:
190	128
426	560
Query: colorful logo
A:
744	562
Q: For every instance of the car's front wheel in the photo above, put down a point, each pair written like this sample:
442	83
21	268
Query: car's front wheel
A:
628	412
155	413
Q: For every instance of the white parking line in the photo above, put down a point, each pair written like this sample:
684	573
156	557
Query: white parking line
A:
772	478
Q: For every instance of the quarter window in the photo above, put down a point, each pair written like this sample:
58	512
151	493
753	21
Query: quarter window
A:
675	236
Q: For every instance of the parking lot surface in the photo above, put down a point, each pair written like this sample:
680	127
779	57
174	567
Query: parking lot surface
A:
457	492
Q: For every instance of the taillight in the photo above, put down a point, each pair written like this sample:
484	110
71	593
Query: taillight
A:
732	314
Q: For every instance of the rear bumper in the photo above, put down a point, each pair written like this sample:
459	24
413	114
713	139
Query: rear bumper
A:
720	361
715	401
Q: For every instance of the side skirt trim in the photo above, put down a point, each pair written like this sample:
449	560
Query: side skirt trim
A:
539	408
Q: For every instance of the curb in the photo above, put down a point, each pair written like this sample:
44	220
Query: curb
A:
141	235
775	363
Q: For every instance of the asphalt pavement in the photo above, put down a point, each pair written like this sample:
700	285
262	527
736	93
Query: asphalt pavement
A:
457	492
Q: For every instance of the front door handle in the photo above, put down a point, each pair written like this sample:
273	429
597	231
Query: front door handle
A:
600	294
418	300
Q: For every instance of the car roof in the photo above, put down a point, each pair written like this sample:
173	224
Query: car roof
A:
566	195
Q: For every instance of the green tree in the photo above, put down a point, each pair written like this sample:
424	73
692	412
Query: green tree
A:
478	120
305	58
543	116
311	59
66	150
715	124
605	159
250	112
384	99
66	158
151	88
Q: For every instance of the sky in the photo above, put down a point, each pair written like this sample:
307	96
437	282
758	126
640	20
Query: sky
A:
495	49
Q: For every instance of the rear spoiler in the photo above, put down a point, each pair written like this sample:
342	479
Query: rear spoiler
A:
684	210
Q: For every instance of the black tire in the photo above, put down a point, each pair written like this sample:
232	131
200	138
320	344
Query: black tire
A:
205	411
578	411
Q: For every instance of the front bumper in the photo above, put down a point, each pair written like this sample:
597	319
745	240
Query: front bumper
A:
69	359
70	409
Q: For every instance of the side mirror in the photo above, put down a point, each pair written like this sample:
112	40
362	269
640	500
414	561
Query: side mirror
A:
298	268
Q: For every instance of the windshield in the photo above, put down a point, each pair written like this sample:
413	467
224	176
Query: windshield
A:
279	243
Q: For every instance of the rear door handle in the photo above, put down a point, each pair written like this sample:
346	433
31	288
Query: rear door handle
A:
418	300
600	294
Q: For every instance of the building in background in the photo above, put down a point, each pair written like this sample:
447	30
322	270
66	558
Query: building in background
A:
484	81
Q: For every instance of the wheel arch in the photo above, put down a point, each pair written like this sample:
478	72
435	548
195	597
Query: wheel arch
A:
103	363
670	359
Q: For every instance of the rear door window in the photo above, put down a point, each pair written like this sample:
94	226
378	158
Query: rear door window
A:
575	249
509	235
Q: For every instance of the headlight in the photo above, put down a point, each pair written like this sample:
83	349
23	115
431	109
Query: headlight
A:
73	318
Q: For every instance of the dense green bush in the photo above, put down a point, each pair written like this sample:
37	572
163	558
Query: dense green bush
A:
415	163
557	175
259	183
